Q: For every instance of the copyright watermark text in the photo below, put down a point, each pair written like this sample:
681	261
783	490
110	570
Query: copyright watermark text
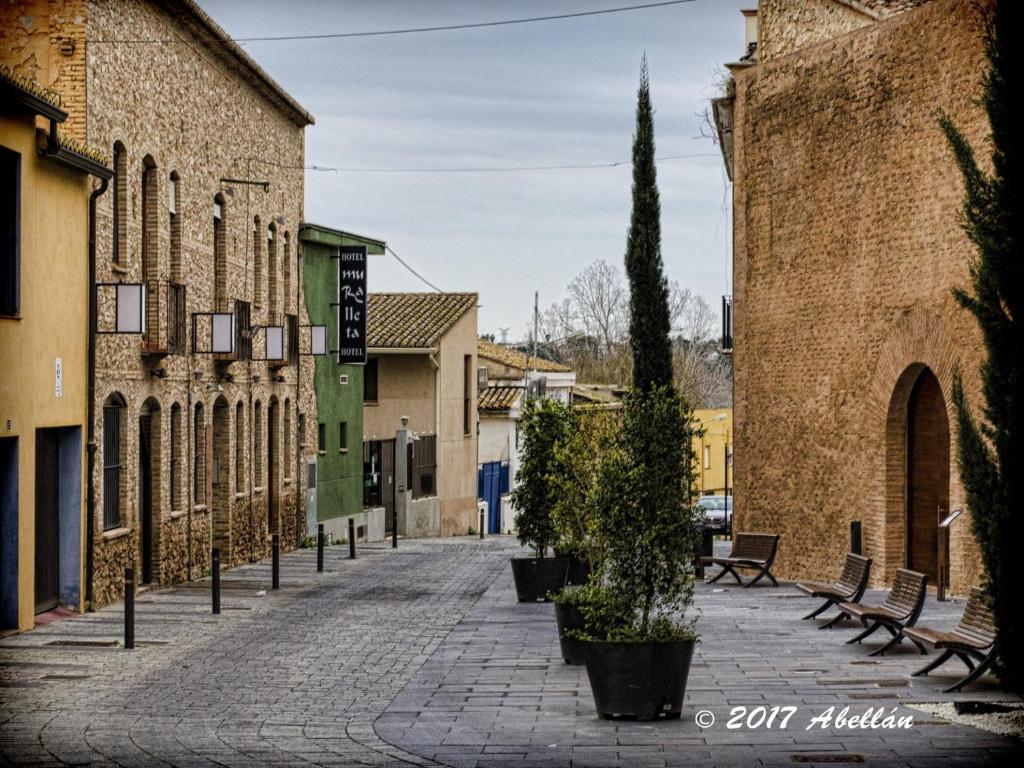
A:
778	718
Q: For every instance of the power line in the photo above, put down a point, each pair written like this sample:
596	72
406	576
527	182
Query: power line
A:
494	169
406	265
416	30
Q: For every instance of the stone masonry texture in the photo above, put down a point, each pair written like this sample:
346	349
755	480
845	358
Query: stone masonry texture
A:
184	114
847	243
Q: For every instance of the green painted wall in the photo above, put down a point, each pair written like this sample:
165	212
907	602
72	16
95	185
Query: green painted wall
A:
339	473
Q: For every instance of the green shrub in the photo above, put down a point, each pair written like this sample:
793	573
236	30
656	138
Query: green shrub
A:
544	423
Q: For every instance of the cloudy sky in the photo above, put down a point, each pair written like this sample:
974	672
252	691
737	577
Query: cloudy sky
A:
552	93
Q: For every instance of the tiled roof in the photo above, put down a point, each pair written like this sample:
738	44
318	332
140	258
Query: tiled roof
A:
498	398
29	85
513	358
413	320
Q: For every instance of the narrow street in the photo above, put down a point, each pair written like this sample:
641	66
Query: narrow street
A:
423	656
290	677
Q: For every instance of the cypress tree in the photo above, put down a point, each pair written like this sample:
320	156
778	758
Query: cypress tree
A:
649	324
989	451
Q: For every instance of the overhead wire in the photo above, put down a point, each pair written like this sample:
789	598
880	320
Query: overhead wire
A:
405	264
482	169
414	30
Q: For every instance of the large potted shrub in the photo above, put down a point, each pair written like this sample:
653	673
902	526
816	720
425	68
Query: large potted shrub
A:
543	424
576	475
638	641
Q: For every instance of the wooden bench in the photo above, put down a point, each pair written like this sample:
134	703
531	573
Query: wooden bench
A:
900	609
850	587
973	638
749	550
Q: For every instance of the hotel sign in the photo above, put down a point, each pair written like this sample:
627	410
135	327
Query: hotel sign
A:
351	303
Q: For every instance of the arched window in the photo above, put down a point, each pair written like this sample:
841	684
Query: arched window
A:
175	473
286	454
114	453
199	457
119	201
220	254
287	272
239	448
272	271
257	434
150	223
173	206
257	262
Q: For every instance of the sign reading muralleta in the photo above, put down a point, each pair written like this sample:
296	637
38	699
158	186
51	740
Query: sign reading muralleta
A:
351	304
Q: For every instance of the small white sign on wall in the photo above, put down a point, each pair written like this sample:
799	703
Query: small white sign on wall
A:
58	377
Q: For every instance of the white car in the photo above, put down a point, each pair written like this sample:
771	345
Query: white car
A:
717	512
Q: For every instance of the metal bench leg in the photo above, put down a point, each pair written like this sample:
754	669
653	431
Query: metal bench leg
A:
897	638
946	656
836	620
920	647
727	569
869	631
824	606
760	575
966	660
981	669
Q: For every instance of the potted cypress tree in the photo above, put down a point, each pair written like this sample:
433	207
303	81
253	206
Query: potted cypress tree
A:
577	471
638	642
544	423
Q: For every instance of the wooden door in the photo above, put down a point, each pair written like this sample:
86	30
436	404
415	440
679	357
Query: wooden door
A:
47	520
927	473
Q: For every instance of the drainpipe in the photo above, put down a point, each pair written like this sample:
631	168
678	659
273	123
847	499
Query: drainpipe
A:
300	517
90	503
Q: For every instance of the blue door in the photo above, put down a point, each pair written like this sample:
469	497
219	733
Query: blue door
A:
489	489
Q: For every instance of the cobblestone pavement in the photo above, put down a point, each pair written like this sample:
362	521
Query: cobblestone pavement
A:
423	656
497	693
293	677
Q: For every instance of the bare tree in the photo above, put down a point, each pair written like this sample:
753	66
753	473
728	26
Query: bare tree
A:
601	303
691	315
587	331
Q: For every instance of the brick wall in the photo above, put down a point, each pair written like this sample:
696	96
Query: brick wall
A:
182	107
846	246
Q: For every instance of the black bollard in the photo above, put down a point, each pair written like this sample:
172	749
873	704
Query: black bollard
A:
351	538
275	562
320	548
855	540
129	607
481	523
216	580
394	528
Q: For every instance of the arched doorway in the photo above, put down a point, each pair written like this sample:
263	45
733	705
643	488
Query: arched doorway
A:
219	479
149	490
927	489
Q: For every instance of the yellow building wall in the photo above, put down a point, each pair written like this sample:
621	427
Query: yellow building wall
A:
53	324
456	447
710	450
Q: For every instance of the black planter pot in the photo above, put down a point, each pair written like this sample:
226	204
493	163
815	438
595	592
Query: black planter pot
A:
568	616
535	577
579	569
642	681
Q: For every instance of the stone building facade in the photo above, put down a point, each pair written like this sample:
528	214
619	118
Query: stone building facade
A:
193	450
847	244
